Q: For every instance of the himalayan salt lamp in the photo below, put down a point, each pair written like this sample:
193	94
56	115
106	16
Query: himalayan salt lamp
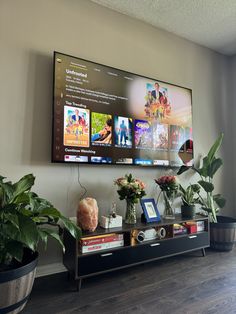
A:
87	214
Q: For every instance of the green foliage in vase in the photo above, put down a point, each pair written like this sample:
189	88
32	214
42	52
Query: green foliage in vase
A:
210	202
24	220
130	188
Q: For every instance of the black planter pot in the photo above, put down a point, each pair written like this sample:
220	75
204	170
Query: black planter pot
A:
188	211
223	233
16	284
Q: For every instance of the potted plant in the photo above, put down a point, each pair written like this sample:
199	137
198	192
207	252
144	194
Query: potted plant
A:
222	229
132	190
169	187
189	197
25	219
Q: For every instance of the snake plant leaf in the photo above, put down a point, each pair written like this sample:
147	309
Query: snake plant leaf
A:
215	147
220	201
207	209
207	186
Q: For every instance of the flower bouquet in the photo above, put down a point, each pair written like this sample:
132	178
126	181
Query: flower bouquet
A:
169	188
132	190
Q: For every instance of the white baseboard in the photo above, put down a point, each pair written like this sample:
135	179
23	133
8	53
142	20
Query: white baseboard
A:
50	269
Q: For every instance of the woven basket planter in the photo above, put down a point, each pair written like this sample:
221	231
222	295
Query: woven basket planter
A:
223	233
16	286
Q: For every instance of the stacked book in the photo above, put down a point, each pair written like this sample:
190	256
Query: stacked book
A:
179	229
101	242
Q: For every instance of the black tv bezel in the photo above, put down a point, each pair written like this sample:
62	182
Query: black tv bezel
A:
111	164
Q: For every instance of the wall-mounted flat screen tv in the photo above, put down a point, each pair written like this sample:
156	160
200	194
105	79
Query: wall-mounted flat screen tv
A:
109	116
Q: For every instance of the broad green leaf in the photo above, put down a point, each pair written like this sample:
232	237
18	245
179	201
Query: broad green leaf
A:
52	234
195	188
182	169
25	211
13	219
22	199
7	192
214	166
215	147
71	227
28	232
43	236
207	186
15	249
220	201
10	208
23	185
50	211
9	230
2	178
203	171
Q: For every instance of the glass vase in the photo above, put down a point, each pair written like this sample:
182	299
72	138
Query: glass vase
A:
169	212
130	215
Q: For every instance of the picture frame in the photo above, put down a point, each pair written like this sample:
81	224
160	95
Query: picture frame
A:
150	210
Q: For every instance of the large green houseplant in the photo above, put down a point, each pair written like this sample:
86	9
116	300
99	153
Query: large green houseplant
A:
25	219
210	202
222	229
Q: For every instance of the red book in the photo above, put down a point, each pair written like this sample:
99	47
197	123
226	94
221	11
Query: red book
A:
101	239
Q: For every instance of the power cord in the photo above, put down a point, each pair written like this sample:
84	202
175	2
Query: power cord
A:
81	185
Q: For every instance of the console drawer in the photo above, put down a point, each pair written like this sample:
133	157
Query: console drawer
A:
103	261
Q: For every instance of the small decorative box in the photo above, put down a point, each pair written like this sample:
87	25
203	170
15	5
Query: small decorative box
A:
111	222
191	227
200	226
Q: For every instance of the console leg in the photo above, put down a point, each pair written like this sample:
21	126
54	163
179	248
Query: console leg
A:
78	284
203	252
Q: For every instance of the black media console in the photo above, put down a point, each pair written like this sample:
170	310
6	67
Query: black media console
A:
83	265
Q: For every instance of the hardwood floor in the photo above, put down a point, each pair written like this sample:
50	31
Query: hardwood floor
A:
188	284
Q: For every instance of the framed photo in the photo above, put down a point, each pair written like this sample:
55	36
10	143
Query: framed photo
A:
150	210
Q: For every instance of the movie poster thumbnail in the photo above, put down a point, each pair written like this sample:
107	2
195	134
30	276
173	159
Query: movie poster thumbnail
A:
101	160
123	132
143	134
126	161
160	136
143	162
177	138
189	140
101	129
76	126
157	104
75	158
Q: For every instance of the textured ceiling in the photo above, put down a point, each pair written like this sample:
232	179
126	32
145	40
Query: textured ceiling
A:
211	23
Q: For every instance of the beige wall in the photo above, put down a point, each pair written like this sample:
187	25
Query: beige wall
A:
31	30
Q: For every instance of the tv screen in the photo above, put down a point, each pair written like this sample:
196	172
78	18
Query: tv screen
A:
106	115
